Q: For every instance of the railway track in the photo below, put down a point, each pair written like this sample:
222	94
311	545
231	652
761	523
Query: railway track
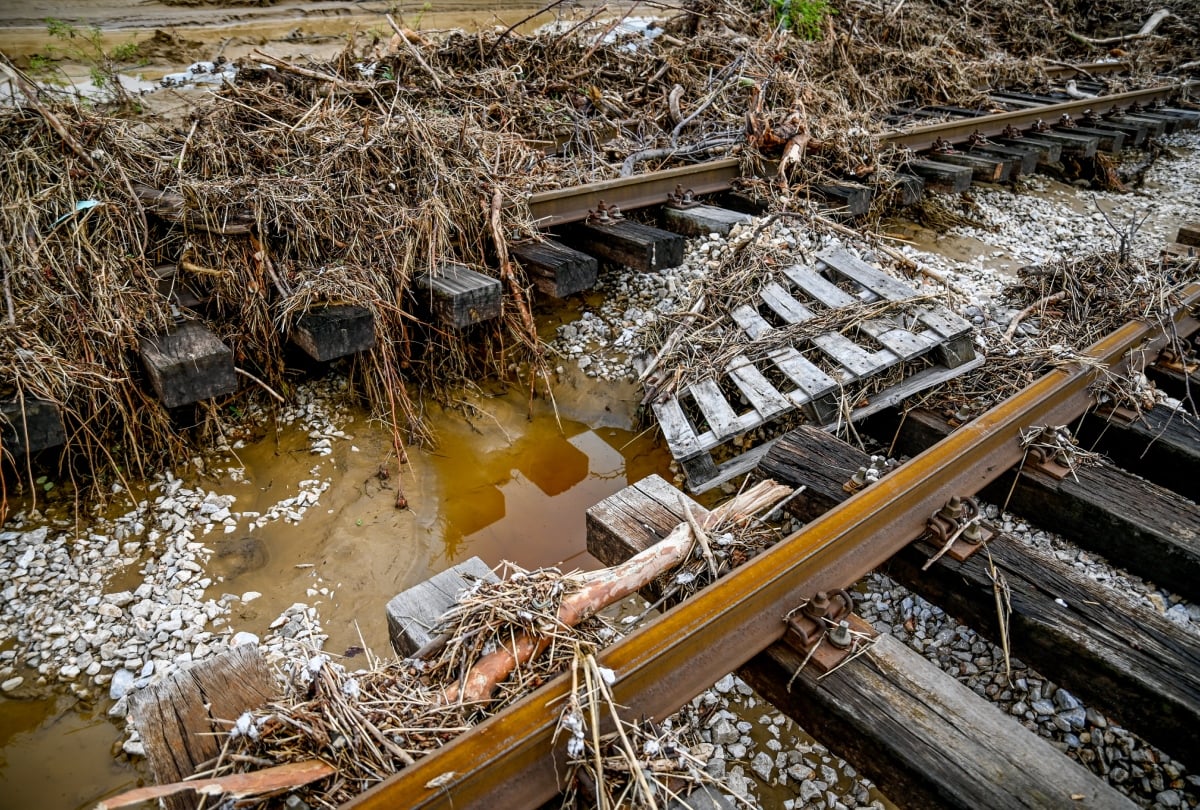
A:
509	760
563	206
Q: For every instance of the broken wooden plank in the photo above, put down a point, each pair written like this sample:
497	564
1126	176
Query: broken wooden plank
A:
187	364
30	425
330	332
557	270
756	388
413	613
458	296
178	717
629	243
940	176
934	758
702	220
1139	667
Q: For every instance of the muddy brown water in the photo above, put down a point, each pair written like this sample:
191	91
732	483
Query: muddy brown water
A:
500	485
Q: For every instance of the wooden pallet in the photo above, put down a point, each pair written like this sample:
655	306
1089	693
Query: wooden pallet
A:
817	370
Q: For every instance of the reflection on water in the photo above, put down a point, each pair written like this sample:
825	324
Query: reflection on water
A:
500	485
46	739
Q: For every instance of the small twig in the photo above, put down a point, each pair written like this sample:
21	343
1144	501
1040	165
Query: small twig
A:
701	536
1023	314
416	54
8	298
514	26
265	387
310	74
950	541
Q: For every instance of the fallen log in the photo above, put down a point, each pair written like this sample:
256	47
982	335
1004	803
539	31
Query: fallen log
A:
604	587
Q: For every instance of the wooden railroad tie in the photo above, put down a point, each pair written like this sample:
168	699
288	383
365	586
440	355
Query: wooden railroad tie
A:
188	363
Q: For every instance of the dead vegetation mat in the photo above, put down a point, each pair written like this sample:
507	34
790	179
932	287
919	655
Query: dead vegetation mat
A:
340	182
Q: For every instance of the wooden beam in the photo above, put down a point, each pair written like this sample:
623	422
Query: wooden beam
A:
187	364
628	243
330	332
984	169
1137	666
556	270
941	176
1107	140
32	426
413	613
924	738
460	297
1161	445
701	220
177	717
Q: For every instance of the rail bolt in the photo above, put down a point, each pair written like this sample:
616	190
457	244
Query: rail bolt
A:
818	606
839	635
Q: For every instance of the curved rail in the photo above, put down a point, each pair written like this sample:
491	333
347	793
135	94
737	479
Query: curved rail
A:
510	761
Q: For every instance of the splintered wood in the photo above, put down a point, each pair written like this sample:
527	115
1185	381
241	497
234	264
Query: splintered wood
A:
786	367
178	718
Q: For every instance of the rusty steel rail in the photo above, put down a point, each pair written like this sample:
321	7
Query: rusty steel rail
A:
561	206
510	761
639	191
924	137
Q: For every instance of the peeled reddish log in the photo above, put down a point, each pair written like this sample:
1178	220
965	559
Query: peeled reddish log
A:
603	588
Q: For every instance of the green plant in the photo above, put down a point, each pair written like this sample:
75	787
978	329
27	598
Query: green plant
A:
805	18
86	45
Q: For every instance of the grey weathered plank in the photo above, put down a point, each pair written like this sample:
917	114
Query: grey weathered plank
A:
177	717
820	288
330	332
857	361
784	305
716	409
897	340
187	364
1136	665
460	297
556	269
750	321
845	264
413	613
701	220
677	430
757	389
810	380
1189	234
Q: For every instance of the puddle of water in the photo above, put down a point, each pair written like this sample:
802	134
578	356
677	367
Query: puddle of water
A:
501	485
42	740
